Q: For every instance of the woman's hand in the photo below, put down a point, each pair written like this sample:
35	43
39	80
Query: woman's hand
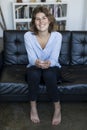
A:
42	64
45	64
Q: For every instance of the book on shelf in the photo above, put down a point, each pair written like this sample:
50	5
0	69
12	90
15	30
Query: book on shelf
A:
51	8
59	10
18	11
22	26
64	10
24	11
30	12
60	25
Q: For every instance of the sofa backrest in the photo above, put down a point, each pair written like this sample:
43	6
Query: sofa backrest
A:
79	48
15	52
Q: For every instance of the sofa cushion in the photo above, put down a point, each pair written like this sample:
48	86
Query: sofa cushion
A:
65	48
13	83
75	80
14	80
79	48
13	73
14	49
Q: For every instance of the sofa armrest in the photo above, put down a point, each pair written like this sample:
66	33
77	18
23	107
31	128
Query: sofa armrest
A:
1	61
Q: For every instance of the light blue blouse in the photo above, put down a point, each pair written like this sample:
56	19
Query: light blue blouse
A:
50	52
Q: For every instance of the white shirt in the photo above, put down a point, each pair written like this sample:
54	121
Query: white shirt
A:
50	52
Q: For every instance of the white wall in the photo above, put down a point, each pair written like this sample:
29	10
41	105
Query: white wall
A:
7	13
85	15
76	14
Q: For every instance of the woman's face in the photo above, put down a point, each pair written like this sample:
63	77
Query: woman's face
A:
41	22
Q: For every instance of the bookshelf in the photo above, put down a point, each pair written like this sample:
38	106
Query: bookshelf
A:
22	13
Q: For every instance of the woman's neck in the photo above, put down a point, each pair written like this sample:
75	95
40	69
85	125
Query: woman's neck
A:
43	34
43	39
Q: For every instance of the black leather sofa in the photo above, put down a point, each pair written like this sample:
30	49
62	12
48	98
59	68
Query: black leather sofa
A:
73	58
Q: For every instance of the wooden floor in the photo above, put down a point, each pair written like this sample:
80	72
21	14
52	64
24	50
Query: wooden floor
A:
15	116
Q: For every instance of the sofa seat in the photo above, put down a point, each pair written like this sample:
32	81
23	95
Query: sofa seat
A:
13	83
75	80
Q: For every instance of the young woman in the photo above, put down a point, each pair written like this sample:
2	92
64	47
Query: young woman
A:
43	46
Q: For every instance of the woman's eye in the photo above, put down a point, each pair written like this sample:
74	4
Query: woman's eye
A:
44	17
39	19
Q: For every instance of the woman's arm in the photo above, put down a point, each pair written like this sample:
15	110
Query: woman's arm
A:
32	57
54	56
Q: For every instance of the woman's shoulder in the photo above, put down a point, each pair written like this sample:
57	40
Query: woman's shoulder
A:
29	33
56	34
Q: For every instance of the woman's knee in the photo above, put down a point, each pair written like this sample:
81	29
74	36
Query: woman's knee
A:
50	76
33	74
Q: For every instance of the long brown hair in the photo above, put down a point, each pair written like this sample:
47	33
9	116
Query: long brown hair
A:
46	11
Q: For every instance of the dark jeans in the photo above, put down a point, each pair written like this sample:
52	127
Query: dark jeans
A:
50	77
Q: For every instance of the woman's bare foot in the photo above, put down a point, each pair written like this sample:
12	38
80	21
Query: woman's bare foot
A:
34	114
57	114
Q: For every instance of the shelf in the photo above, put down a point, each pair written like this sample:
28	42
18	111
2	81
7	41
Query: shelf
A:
22	12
